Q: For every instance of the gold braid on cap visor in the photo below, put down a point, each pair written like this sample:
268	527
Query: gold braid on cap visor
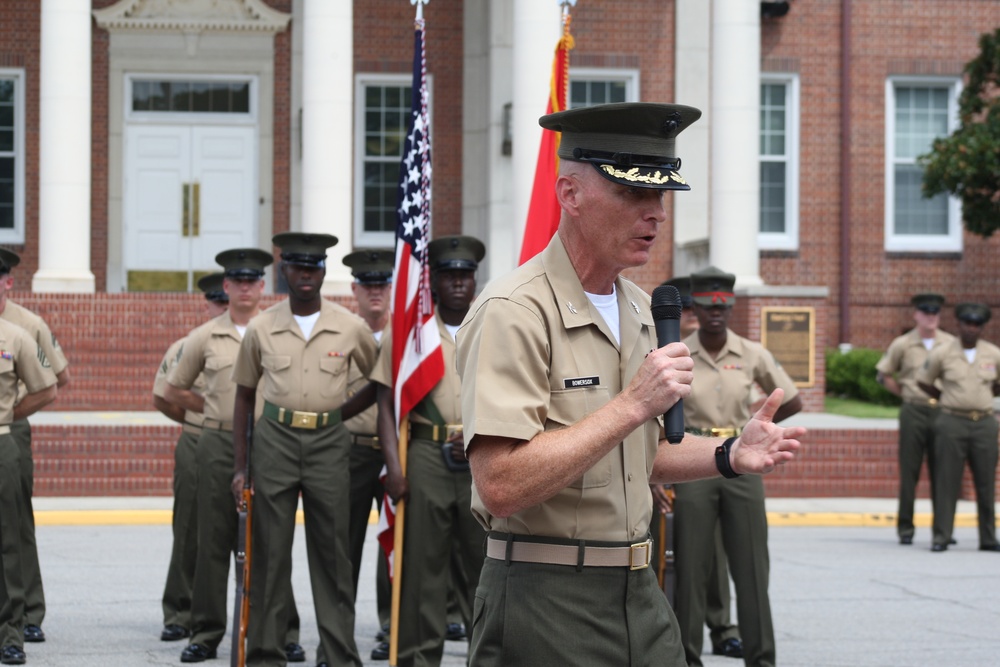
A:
656	178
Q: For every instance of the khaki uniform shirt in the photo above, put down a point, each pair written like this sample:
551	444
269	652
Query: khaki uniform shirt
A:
304	375
163	372
446	394
210	352
964	386
21	359
366	422
904	359
721	391
39	330
535	356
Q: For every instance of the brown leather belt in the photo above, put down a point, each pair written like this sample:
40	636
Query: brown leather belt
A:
634	557
715	432
365	440
217	424
973	415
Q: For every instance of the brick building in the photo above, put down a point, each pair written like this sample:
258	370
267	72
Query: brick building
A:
140	137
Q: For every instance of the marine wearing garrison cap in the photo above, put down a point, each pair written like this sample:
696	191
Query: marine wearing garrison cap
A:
371	266
713	287
304	249
211	285
461	253
928	302
631	144
974	313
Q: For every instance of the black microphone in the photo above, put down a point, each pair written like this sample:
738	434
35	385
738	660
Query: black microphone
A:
666	307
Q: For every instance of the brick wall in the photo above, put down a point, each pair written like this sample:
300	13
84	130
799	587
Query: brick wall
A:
138	461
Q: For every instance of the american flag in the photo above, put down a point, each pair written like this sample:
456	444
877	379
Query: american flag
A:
417	360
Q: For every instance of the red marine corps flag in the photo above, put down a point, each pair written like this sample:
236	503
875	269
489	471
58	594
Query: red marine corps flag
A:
543	210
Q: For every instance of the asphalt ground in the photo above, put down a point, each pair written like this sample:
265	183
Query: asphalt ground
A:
843	591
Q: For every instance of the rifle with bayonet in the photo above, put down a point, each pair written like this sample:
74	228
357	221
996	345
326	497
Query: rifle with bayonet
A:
241	606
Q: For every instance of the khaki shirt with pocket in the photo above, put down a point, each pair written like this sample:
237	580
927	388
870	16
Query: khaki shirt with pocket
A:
170	360
535	356
905	357
310	376
964	386
722	388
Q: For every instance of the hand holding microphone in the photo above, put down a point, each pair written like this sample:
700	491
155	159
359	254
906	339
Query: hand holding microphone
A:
666	307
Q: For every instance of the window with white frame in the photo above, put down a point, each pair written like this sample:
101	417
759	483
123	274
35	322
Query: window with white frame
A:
382	111
779	162
11	156
918	110
590	86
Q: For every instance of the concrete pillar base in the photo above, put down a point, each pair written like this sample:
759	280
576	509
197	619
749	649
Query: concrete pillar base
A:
68	282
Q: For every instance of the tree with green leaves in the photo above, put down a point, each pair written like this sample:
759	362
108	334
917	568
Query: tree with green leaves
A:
967	163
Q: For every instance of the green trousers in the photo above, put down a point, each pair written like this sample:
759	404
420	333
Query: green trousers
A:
535	614
439	527
218	525
916	443
11	574
176	601
366	464
34	594
956	441
737	507
316	463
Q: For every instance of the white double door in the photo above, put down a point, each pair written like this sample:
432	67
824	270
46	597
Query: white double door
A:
190	192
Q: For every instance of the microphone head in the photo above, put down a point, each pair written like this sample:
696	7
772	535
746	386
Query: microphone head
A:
666	303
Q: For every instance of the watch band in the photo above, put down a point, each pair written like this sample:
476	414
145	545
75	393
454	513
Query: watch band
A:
722	459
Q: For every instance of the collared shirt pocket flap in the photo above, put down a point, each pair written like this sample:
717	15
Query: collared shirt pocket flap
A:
333	365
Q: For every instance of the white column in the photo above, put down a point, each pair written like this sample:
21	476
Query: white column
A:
64	149
537	28
735	111
691	87
327	127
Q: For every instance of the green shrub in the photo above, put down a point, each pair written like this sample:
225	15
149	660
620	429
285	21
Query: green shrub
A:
852	375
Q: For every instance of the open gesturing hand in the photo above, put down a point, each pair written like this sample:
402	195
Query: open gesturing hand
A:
764	445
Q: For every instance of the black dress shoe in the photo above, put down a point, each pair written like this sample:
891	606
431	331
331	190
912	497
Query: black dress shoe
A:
381	651
952	541
12	655
989	547
197	653
171	633
33	633
939	547
294	652
731	648
382	634
906	539
454	632
322	664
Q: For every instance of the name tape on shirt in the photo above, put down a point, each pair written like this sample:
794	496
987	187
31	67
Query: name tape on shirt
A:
572	383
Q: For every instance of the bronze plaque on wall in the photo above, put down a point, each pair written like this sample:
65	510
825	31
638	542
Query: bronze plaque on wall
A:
789	334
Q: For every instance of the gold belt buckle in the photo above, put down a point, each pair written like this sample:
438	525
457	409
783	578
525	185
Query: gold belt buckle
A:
723	432
450	430
643	561
975	415
304	419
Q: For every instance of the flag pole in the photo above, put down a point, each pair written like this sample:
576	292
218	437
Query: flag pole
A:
397	547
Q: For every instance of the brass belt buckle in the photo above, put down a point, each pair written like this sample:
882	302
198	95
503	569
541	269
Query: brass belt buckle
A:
450	430
639	554
975	415
304	419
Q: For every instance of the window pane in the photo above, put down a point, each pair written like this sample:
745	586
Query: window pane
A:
191	96
913	213
6	141
6	91
616	91
6	168
386	114
772	197
921	116
577	94
6	217
7	193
